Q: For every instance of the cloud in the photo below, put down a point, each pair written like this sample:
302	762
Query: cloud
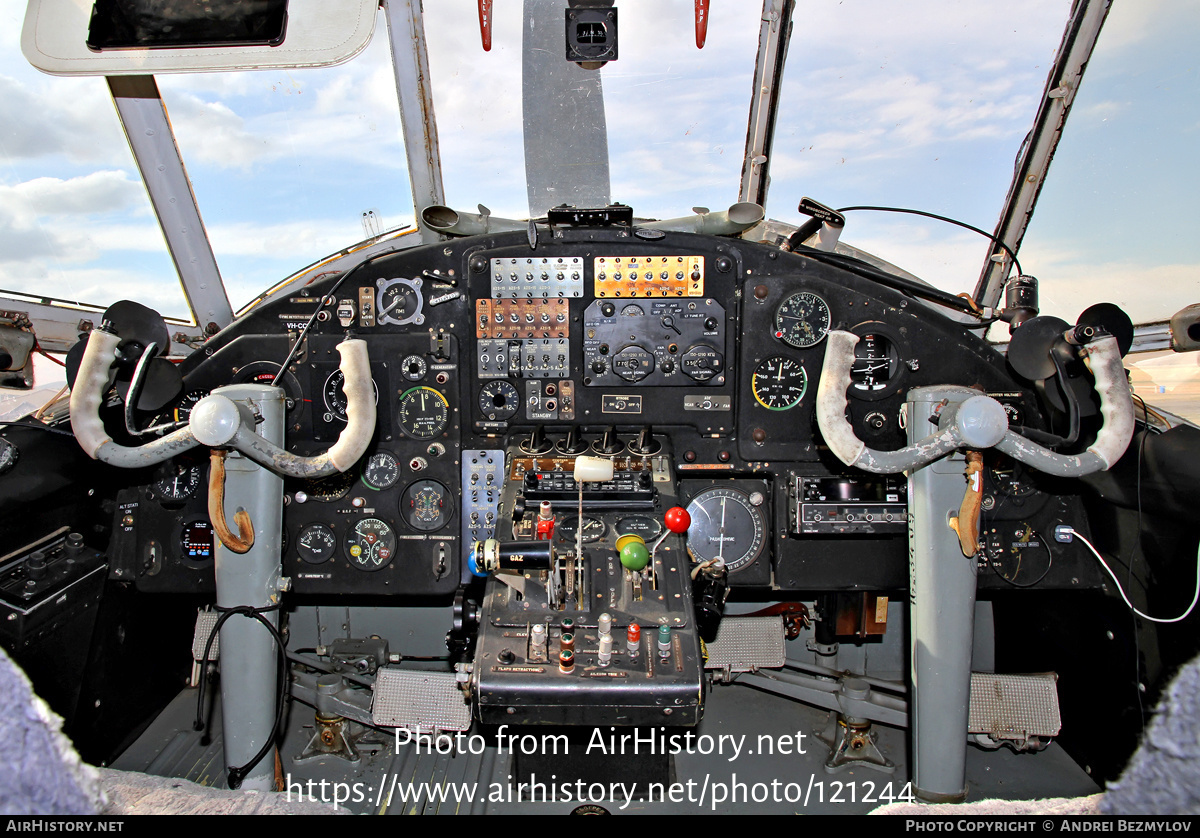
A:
55	218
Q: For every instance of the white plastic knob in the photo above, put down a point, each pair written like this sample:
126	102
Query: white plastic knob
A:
214	420
593	470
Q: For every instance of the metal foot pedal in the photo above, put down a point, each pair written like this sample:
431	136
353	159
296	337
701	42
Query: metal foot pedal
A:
205	620
422	701
852	744
1020	711
744	644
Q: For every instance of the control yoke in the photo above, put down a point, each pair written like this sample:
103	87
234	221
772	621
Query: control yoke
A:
976	421
218	421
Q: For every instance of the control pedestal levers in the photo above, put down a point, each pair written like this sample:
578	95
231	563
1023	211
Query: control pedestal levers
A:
593	627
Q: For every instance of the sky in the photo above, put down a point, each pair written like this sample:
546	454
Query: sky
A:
920	105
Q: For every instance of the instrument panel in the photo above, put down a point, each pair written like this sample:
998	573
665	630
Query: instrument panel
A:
491	358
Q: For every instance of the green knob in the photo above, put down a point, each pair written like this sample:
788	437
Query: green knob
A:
634	555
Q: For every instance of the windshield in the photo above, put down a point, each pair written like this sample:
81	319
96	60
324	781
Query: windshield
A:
920	106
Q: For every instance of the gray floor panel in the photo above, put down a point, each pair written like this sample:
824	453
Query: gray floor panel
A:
725	782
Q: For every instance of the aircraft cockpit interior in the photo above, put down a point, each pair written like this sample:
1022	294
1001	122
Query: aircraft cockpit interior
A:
588	506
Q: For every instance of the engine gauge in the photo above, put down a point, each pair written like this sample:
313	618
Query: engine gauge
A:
593	529
371	544
196	543
802	320
381	471
335	396
398	302
779	383
876	365
498	401
426	505
180	485
316	543
726	527
424	412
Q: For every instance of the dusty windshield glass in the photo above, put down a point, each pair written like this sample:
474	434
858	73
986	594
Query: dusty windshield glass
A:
1116	220
921	106
676	115
75	222
289	166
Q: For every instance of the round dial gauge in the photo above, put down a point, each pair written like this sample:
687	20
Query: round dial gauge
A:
876	365
371	544
643	525
426	505
186	402
802	320
399	301
779	383
180	484
335	396
264	372
381	471
424	412
726	528
316	543
414	367
593	529
498	401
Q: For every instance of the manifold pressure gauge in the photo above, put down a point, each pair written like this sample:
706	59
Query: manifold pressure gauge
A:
779	383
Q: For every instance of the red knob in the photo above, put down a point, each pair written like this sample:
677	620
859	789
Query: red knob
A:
677	520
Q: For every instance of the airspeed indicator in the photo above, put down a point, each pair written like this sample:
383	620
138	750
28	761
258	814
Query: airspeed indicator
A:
779	383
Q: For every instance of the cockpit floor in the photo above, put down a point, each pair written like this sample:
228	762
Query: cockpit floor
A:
738	774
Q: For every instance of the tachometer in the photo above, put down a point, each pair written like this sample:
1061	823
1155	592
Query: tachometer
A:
727	527
802	320
424	412
779	383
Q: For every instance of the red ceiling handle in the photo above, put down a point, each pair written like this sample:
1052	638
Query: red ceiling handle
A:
485	23
701	23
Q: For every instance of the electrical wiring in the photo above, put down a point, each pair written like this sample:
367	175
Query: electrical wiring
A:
1012	255
1121	590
